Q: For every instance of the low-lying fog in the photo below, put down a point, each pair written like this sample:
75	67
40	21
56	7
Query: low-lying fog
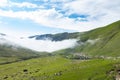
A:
41	45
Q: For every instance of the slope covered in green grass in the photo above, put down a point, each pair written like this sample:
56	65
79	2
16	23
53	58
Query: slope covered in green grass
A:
108	40
98	42
9	53
59	68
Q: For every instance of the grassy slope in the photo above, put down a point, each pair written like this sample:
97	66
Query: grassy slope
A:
109	40
107	44
10	51
58	68
10	54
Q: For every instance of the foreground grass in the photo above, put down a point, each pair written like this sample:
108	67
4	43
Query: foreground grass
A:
58	68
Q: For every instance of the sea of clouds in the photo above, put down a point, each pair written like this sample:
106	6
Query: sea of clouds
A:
39	45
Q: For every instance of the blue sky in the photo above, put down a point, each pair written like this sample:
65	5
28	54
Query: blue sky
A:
27	27
29	17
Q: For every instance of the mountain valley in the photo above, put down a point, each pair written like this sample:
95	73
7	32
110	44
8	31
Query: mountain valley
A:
95	56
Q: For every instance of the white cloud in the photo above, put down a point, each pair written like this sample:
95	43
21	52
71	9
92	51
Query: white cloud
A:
97	10
101	12
8	3
39	45
18	33
60	1
48	18
48	45
92	41
24	4
3	3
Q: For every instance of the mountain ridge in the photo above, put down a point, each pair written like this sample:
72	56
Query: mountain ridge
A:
102	41
105	42
55	37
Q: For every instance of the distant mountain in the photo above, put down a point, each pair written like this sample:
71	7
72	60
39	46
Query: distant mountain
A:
56	37
102	41
1	34
98	42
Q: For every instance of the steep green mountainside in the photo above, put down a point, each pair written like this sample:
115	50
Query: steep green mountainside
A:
98	42
108	41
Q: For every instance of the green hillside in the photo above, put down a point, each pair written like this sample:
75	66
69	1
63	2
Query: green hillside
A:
108	41
96	57
9	53
98	42
58	68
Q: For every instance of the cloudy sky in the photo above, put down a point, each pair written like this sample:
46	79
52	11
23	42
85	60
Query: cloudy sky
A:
27	17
